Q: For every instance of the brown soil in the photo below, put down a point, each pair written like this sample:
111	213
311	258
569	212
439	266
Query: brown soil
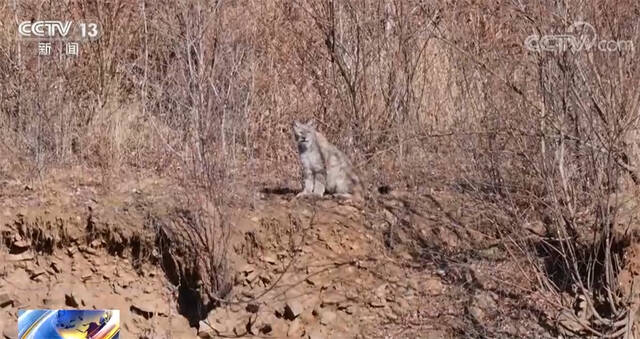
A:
296	268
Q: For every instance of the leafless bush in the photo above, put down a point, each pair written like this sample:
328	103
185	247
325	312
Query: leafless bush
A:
557	144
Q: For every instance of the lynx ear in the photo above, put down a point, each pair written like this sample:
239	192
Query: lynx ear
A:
311	123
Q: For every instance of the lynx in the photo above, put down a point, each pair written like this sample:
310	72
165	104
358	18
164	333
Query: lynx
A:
324	167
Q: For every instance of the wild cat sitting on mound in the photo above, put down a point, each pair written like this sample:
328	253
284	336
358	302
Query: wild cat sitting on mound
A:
324	167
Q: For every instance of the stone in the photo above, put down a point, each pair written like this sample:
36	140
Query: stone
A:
56	267
316	334
312	280
10	332
36	274
270	259
381	291
378	303
485	300
265	329
476	313
20	257
332	298
20	246
242	328
205	331
147	306
5	299
86	276
295	329
248	268
71	300
251	277
327	317
252	308
87	250
347	308
266	279
433	286
292	309
247	293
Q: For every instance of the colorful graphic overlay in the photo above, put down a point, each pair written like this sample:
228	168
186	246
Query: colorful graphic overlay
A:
69	324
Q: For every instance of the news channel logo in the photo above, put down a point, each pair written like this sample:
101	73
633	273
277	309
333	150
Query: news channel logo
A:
68	324
59	30
580	36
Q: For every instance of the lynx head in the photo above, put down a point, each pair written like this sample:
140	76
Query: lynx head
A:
304	133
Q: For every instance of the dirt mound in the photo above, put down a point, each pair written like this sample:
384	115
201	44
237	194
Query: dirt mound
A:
285	267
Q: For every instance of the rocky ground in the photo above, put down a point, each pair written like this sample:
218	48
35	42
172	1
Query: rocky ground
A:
293	268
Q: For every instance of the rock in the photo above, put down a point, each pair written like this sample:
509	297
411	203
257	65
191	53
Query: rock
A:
265	329
252	308
436	334
295	329
403	304
279	328
205	331
569	325
347	308
270	259
71	300
391	316
481	303
36	273
87	250
97	262
20	257
5	299
292	309
56	267
316	334
247	293
327	317
251	277
147	306
10	332
86	276
179	326
312	280
398	309
485	300
242	328
433	286
222	320
20	246
248	268
381	291
476	313
378	303
332	298
266	279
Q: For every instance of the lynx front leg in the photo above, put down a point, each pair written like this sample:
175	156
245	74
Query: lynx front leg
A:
319	181
308	183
